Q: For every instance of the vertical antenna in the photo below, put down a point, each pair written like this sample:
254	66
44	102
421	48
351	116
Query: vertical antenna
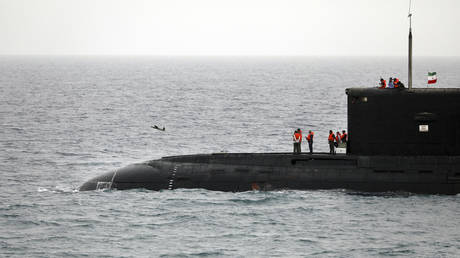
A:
410	47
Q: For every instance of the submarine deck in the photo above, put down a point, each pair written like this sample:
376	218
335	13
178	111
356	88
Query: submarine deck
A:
236	172
268	159
380	162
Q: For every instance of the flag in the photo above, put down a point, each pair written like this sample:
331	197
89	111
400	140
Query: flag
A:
432	77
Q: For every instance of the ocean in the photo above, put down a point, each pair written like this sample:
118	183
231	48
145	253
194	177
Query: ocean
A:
66	119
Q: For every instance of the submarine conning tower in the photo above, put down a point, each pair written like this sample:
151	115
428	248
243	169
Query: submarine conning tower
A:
408	122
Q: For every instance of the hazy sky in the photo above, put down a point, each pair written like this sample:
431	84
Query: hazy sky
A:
228	27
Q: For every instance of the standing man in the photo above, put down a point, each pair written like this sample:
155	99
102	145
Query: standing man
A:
391	84
297	139
344	137
331	140
300	144
338	138
382	84
310	140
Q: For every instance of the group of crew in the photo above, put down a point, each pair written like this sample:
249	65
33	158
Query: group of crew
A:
394	83
339	139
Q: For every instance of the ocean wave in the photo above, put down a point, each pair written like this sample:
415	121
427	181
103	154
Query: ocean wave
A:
57	135
58	189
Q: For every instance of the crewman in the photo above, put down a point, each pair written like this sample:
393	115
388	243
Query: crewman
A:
310	140
344	137
382	84
398	83
300	144
338	138
297	139
331	140
390	83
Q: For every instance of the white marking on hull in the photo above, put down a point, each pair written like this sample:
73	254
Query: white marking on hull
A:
173	176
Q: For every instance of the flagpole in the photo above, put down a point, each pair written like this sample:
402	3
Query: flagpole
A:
410	48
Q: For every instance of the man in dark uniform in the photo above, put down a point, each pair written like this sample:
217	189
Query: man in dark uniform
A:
310	140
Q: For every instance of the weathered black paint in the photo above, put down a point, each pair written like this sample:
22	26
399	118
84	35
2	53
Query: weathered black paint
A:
240	171
386	153
386	121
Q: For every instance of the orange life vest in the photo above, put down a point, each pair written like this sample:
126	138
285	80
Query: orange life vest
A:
297	137
310	135
337	137
331	137
344	136
396	83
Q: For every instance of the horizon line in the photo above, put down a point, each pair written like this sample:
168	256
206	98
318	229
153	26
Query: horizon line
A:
208	56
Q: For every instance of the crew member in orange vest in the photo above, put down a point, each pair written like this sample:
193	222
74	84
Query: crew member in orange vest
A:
297	139
331	140
301	136
383	83
338	138
398	84
310	140
344	137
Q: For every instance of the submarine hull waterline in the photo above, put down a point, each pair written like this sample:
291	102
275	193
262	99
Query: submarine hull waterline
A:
237	172
398	140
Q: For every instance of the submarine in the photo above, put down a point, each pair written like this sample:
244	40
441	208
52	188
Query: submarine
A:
398	140
417	150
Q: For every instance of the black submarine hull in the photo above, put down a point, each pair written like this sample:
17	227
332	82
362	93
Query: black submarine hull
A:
398	140
271	171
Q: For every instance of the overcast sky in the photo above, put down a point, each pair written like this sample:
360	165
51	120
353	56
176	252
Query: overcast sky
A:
228	27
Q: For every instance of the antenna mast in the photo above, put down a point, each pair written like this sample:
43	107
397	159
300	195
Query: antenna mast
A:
410	47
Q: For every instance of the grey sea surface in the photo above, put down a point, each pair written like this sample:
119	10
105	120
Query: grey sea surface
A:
66	119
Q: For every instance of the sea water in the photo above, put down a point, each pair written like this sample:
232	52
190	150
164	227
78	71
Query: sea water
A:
65	120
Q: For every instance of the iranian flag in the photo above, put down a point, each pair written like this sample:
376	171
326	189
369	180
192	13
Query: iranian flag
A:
432	78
